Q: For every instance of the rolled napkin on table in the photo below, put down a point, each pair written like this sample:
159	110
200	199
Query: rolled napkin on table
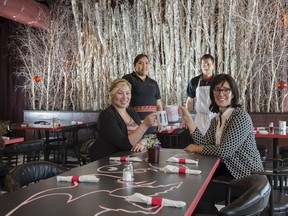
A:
155	201
175	169
182	160
125	159
79	179
260	130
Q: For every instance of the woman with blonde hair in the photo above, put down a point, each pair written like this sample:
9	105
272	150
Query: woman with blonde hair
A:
119	127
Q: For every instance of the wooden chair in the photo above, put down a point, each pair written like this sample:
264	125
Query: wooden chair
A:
84	151
91	129
90	137
67	138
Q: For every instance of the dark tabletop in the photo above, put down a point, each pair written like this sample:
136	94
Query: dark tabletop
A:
107	197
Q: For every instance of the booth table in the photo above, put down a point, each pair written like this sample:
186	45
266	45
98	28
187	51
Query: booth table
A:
107	197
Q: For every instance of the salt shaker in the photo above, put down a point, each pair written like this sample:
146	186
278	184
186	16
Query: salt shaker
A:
130	165
127	175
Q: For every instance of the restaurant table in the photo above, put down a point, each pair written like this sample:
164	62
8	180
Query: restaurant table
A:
276	135
12	140
107	197
46	128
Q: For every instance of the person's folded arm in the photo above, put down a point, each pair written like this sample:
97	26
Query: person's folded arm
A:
111	130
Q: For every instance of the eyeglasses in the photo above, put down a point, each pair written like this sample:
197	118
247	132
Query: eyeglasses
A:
225	91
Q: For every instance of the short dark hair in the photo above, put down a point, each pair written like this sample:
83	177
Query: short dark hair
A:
218	79
208	56
139	57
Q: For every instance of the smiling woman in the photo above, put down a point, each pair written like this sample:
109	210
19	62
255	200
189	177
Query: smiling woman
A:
223	96
230	137
119	127
224	93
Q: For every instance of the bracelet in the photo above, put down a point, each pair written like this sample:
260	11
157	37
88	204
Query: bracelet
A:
141	129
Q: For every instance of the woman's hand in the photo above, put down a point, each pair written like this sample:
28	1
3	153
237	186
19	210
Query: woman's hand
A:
150	120
138	147
160	128
185	114
190	124
194	148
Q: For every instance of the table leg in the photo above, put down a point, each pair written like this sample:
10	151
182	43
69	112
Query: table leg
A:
46	151
275	152
275	156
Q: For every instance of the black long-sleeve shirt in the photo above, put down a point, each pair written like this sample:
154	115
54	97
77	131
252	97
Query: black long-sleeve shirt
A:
112	133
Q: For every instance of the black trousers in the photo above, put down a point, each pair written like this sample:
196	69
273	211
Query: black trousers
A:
215	192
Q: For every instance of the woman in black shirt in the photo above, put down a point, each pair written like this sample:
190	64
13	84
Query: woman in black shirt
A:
119	127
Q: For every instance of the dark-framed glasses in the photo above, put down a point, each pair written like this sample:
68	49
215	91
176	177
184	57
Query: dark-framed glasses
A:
225	91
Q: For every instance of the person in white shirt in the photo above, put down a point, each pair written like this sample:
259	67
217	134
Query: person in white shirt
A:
198	94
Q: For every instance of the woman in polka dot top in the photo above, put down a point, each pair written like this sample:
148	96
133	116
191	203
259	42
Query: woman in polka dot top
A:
230	137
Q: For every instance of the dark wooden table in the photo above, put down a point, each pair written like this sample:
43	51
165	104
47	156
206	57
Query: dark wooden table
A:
107	197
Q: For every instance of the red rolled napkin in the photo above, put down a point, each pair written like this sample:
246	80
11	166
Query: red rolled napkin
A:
82	178
136	159
182	160
175	169
155	201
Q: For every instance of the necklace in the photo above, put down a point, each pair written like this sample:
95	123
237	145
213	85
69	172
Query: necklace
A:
127	119
130	122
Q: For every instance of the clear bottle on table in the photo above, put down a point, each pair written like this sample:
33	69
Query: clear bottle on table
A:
127	175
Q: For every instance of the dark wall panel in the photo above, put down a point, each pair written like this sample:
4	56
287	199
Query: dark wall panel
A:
11	100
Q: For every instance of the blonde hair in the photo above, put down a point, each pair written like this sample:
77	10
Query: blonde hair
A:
116	85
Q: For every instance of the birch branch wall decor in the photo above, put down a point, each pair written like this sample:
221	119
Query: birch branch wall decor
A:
90	43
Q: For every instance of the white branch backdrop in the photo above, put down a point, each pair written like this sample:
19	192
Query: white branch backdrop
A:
87	44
